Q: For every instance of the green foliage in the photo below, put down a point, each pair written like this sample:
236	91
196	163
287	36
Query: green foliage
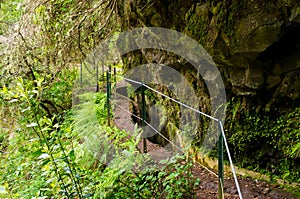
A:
173	180
21	176
53	36
38	124
50	153
45	158
101	108
10	13
265	143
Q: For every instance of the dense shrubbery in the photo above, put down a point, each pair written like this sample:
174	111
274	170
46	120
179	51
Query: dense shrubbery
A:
56	157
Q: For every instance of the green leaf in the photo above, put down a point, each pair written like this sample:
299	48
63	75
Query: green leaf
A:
72	155
37	153
295	149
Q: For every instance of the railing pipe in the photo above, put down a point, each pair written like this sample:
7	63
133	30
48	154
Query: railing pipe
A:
108	95
144	118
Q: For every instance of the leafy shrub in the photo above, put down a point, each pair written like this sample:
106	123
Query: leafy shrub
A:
173	180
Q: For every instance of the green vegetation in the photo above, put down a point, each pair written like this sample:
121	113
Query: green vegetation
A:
265	143
58	158
10	13
49	150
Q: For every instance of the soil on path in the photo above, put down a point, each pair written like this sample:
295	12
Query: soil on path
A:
208	189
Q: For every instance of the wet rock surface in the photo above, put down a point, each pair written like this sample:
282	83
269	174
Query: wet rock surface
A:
248	40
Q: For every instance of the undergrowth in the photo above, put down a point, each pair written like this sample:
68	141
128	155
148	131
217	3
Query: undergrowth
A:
76	155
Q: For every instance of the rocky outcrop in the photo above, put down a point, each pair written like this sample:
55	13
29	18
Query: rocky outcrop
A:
256	47
255	44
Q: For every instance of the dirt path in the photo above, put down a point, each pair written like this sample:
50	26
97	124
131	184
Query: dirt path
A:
208	189
122	120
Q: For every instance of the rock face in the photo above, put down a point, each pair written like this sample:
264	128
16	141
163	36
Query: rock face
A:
255	44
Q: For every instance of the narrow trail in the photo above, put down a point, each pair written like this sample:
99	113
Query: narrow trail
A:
123	121
208	189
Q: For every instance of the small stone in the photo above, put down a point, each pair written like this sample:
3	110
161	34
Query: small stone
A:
266	190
